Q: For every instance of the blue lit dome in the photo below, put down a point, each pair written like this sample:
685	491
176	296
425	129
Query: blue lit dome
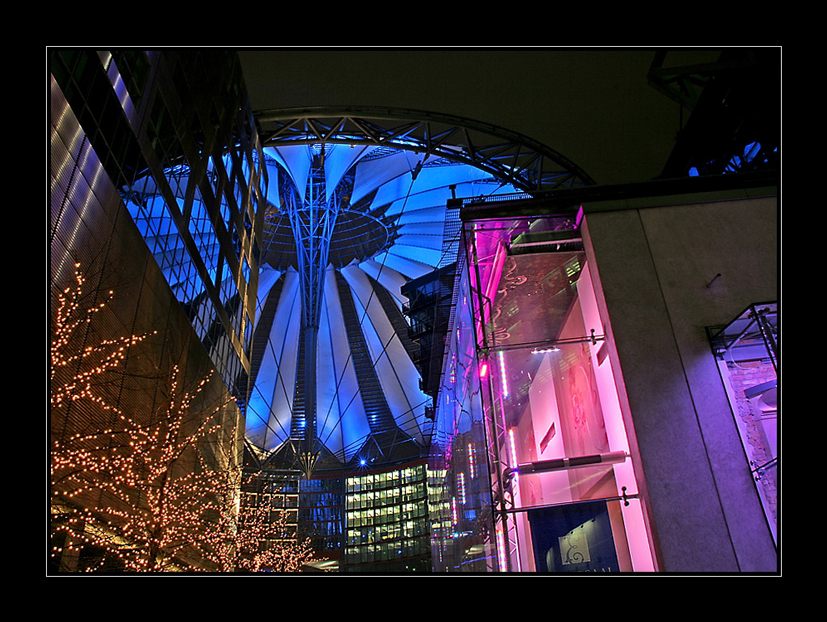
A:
390	229
347	225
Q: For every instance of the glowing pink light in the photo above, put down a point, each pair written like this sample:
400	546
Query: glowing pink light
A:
503	375
512	450
472	459
483	370
501	550
512	447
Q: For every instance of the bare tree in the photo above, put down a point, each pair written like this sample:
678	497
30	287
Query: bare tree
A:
255	537
138	491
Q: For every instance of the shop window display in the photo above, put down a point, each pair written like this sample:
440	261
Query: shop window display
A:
544	402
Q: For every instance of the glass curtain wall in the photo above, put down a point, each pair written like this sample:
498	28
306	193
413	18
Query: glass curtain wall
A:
746	351
387	521
530	433
459	487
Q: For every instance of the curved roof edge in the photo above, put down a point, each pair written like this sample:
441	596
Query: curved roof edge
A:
510	156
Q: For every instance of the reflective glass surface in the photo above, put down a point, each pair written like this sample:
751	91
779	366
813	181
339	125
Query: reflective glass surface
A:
529	388
746	350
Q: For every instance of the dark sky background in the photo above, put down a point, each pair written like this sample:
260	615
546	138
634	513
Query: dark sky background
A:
594	106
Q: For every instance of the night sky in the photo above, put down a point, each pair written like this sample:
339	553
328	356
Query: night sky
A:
593	106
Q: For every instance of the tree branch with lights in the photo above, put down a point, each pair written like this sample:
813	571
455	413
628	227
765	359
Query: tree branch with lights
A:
148	492
255	535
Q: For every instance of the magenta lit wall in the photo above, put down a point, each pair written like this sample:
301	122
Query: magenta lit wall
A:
654	266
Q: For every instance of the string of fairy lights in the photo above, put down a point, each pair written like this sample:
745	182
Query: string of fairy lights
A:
141	496
69	306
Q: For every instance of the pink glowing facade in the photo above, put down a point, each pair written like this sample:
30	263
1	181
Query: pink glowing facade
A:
530	387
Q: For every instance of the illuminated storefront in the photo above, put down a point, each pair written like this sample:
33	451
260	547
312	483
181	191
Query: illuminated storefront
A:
529	437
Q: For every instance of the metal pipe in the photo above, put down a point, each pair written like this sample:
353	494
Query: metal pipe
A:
563	464
593	339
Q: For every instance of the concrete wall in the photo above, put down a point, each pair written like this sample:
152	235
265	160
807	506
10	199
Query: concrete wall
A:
653	261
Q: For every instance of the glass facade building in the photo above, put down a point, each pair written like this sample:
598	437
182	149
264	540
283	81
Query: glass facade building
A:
387	521
185	160
367	521
166	247
529	440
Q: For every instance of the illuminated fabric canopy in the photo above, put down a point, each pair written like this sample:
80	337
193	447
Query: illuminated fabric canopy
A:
357	207
390	227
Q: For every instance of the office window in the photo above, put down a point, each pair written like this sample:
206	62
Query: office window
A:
381	516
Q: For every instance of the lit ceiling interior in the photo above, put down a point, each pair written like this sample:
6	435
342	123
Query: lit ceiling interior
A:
390	228
390	184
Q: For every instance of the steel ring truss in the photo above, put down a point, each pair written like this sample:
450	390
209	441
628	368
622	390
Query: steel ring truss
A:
511	157
511	160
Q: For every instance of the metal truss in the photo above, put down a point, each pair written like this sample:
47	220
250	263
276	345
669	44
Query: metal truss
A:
312	220
510	157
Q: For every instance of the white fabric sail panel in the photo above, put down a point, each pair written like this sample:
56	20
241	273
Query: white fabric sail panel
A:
267	277
273	186
339	160
434	177
371	174
296	160
388	278
406	209
272	401
432	241
432	215
422	228
397	374
420	207
258	404
341	422
411	268
427	256
429	207
433	187
395	190
327	403
419	210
